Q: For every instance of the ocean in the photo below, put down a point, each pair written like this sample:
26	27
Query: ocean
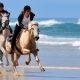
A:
58	31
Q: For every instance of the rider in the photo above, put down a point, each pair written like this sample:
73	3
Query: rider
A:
2	11
24	18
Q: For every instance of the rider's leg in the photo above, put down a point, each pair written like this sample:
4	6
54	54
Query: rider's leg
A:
11	31
16	31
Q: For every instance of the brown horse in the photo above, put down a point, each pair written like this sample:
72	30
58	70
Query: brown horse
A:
26	44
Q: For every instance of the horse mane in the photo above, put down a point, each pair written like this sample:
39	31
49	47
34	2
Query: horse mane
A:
32	23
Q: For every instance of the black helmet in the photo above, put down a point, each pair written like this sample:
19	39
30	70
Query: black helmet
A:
27	8
1	4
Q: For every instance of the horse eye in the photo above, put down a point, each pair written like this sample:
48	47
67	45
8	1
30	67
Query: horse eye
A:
33	28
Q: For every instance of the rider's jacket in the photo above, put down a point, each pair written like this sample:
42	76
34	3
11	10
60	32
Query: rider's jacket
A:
4	11
20	18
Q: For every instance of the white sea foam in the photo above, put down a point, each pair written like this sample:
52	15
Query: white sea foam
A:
78	21
48	40
42	36
46	37
13	23
72	43
49	22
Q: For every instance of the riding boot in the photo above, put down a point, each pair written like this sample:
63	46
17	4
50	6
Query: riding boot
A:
13	41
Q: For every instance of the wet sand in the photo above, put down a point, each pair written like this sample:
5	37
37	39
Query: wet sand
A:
61	63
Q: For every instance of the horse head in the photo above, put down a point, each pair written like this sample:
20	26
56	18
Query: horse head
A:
5	20
34	27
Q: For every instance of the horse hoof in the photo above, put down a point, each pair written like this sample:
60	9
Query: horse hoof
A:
27	63
15	64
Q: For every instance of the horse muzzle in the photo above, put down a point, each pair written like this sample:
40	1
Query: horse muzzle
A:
37	38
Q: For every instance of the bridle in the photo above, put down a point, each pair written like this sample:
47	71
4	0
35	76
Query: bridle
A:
27	28
6	23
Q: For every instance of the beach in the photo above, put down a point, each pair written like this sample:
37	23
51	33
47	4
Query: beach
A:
61	62
58	30
59	53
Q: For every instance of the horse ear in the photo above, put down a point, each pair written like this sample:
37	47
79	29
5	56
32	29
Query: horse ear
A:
37	23
8	14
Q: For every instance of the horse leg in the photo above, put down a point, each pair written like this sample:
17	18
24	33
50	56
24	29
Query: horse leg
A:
16	60
12	58
4	50
7	59
16	64
38	61
28	52
1	55
29	59
6	55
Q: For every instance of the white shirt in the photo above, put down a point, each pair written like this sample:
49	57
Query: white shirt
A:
25	21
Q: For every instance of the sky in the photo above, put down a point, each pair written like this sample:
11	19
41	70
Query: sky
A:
45	8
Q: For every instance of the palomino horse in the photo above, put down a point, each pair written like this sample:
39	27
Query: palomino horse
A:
26	44
4	34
